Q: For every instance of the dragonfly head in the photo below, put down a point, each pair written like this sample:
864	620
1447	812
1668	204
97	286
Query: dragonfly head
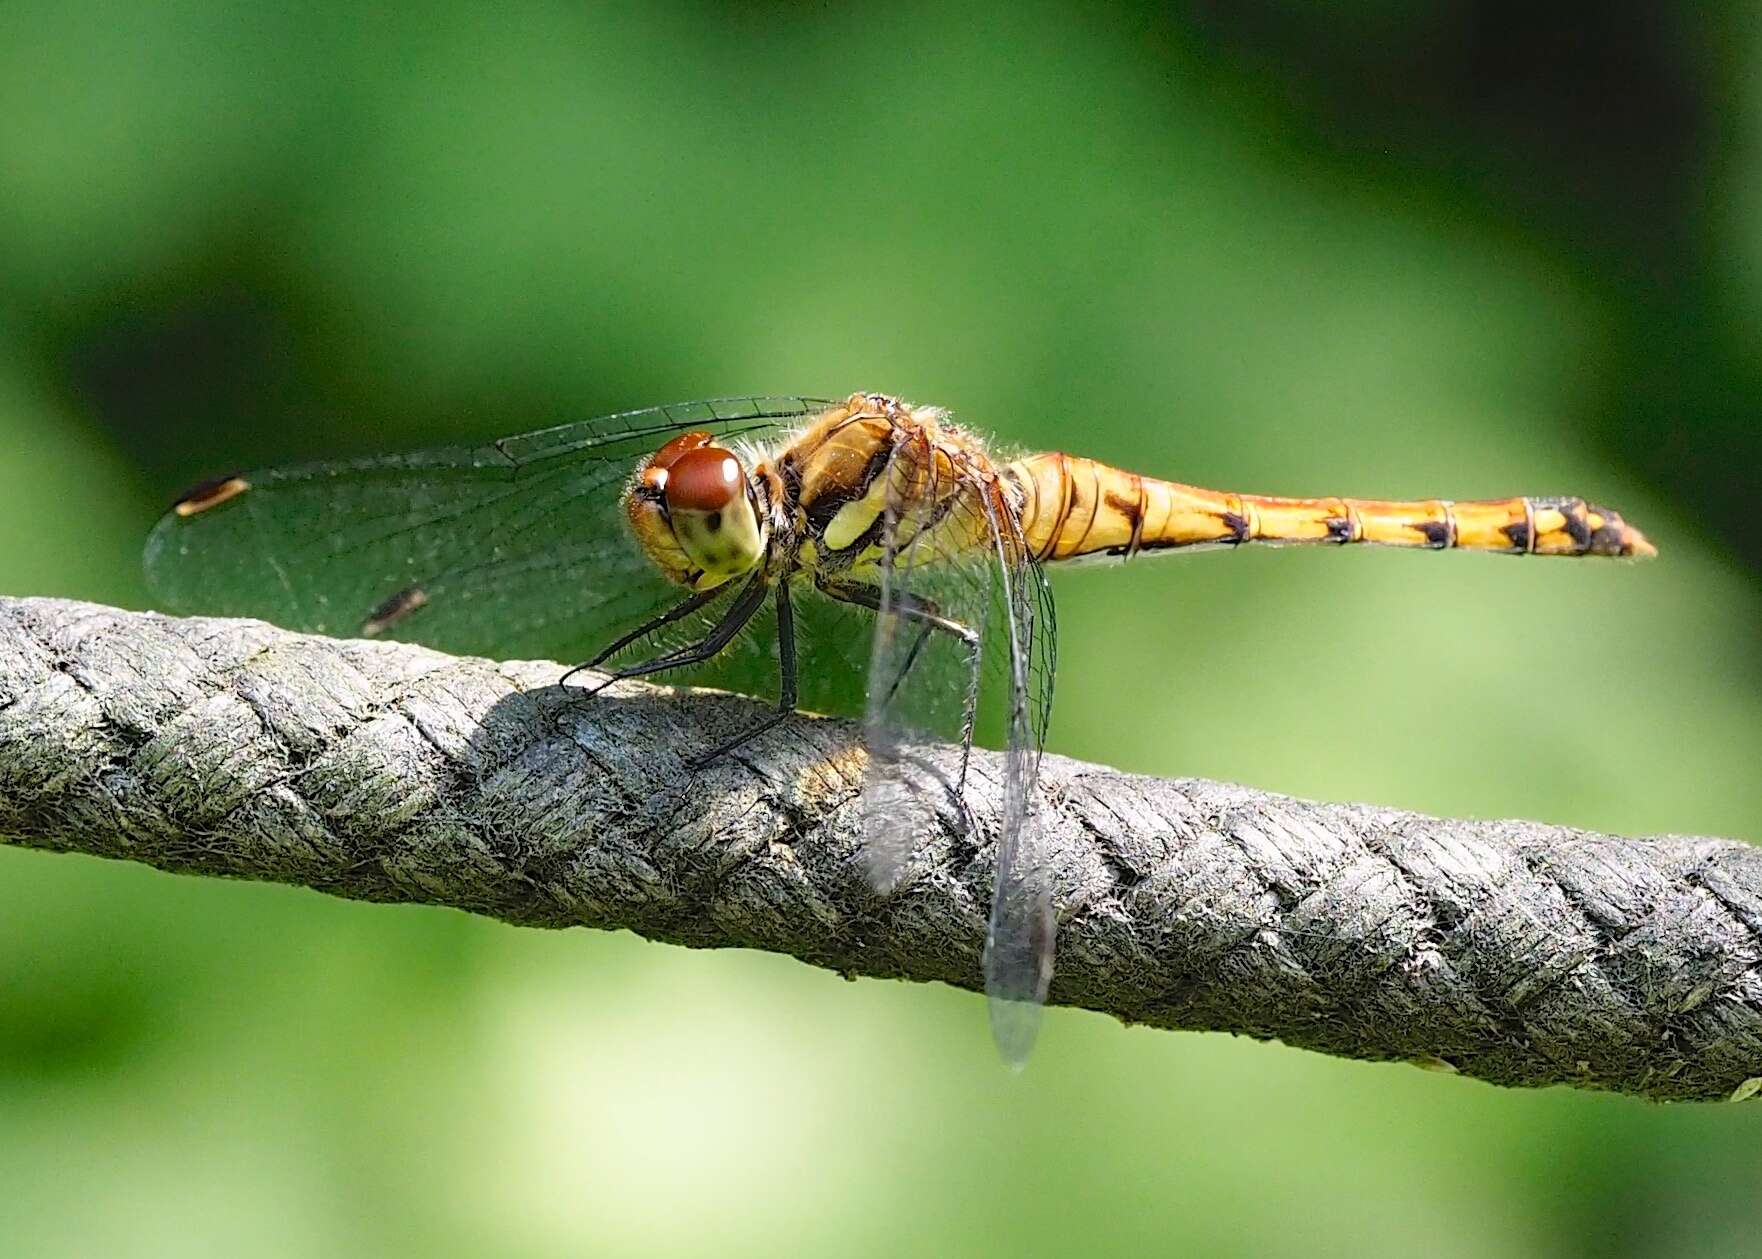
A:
696	514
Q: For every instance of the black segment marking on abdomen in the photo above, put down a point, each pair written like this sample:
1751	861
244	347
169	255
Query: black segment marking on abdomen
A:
1132	510
1577	527
1572	511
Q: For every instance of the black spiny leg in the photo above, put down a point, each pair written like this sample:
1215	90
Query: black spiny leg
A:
921	612
721	634
684	608
788	688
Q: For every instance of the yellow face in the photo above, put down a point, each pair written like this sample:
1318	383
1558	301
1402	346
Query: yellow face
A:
694	515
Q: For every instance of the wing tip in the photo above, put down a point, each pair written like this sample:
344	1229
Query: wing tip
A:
1015	1026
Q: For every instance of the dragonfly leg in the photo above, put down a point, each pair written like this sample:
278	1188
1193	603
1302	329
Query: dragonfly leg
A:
683	608
788	686
721	634
910	607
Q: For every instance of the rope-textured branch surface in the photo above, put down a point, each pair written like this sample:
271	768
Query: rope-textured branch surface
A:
1519	953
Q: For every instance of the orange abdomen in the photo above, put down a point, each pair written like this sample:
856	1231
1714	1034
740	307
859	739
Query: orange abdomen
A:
1074	508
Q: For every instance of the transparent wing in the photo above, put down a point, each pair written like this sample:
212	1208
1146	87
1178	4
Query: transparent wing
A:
953	560
1020	940
514	548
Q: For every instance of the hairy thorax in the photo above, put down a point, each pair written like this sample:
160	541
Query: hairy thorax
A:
873	459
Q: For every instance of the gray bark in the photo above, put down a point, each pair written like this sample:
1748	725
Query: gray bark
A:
1518	953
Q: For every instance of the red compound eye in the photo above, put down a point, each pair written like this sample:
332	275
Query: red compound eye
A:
660	464
704	478
668	455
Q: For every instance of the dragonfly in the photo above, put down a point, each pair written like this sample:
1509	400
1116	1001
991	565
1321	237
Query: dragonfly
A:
727	541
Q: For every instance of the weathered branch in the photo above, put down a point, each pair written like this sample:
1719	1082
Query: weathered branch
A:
1519	953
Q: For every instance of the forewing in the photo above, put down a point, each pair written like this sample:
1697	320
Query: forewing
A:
514	548
959	556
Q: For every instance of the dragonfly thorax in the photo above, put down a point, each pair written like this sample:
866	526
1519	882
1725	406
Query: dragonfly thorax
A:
696	514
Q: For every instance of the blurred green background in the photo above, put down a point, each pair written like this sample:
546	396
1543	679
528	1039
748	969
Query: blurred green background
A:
1465	249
